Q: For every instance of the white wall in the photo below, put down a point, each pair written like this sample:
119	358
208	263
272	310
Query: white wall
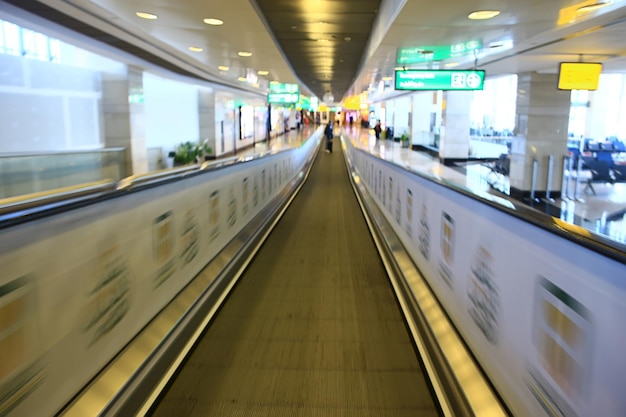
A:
48	107
171	110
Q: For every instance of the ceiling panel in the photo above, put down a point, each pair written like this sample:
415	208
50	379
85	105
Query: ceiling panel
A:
323	40
360	38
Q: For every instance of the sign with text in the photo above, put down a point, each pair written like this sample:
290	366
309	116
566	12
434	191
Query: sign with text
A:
579	75
419	54
440	80
281	93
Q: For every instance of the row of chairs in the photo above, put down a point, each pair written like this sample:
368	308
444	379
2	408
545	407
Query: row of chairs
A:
603	172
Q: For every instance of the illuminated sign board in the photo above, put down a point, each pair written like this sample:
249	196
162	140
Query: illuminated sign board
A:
304	103
579	75
440	80
419	54
283	93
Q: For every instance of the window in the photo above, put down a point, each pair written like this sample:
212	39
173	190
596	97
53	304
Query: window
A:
15	40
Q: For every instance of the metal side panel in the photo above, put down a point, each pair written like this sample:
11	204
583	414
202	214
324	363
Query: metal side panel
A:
134	379
458	382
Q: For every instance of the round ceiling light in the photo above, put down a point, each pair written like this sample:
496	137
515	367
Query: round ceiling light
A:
195	49
146	15
483	14
223	68
213	21
263	72
244	53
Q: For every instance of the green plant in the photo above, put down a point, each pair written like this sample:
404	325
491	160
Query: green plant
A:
206	149
404	137
186	153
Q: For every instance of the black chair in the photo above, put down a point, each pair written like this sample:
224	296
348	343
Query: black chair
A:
619	171
600	172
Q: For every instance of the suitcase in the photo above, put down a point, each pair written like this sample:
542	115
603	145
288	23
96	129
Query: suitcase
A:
329	145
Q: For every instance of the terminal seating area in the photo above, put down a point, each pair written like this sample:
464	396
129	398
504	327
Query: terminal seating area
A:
605	161
603	172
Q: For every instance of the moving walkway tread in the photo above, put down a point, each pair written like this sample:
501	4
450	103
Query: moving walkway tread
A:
312	328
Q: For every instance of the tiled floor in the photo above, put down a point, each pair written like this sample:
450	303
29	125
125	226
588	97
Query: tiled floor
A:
603	213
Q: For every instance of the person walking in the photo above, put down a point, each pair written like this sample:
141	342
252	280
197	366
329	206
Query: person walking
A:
377	129
328	132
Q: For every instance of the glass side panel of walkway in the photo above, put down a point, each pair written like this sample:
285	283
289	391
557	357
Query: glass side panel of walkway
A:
312	328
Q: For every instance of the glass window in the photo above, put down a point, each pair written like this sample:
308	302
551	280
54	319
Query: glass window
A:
11	37
18	41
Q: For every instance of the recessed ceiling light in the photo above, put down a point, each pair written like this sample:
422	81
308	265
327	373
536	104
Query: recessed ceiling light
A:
146	15
223	68
483	14
294	27
387	78
195	49
263	72
451	64
244	53
347	39
242	79
592	7
322	40
213	22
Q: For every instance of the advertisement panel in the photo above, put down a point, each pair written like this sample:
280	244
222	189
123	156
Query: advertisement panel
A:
541	313
77	287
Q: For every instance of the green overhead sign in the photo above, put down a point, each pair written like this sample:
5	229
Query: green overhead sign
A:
417	54
283	93
282	98
440	80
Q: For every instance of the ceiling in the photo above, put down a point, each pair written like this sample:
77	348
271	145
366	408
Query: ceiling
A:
337	47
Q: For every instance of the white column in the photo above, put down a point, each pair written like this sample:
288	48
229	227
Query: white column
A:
124	118
206	117
541	131
423	105
455	126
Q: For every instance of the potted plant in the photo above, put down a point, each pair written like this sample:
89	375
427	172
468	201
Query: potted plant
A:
207	151
185	153
404	140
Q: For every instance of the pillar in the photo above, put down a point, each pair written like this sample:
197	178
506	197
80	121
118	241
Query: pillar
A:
542	125
207	130
124	117
454	142
424	114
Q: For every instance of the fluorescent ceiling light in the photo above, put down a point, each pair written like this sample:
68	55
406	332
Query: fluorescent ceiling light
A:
451	64
223	68
262	72
483	14
195	49
244	53
213	22
146	15
387	78
242	79
592	7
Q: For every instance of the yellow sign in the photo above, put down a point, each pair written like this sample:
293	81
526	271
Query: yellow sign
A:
579	75
352	103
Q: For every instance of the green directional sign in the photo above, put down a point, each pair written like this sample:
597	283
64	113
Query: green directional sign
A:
283	98
419	54
440	80
283	93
